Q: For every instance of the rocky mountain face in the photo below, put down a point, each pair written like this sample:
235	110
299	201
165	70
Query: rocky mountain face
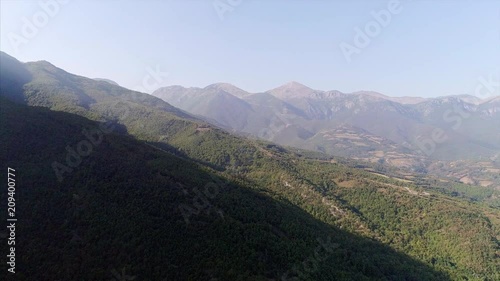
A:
118	184
408	132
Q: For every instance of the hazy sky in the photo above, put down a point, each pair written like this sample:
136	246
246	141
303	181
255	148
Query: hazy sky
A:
428	48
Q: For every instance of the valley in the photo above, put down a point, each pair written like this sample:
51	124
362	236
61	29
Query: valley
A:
231	140
167	195
453	137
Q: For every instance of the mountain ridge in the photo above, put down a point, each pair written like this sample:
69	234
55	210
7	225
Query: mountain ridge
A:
294	88
296	115
168	195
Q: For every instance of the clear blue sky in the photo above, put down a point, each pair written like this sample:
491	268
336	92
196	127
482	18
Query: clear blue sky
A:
430	48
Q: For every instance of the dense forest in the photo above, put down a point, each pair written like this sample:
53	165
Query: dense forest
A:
118	185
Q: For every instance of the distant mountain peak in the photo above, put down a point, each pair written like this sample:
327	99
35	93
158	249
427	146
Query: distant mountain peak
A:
458	99
107	80
371	93
43	62
228	88
4	55
491	100
294	85
222	85
292	89
46	66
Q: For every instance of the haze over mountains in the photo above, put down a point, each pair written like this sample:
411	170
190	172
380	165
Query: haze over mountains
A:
407	132
294	114
164	194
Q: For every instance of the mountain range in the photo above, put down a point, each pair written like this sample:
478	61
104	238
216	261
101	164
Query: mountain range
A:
407	132
114	184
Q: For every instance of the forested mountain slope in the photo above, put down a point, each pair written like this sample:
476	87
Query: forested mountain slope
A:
455	138
139	201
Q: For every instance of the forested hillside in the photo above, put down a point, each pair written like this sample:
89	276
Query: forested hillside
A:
364	125
161	195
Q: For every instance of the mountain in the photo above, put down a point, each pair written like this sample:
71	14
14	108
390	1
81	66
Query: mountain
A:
214	102
107	80
113	183
291	90
412	133
228	88
468	99
101	219
401	100
14	76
